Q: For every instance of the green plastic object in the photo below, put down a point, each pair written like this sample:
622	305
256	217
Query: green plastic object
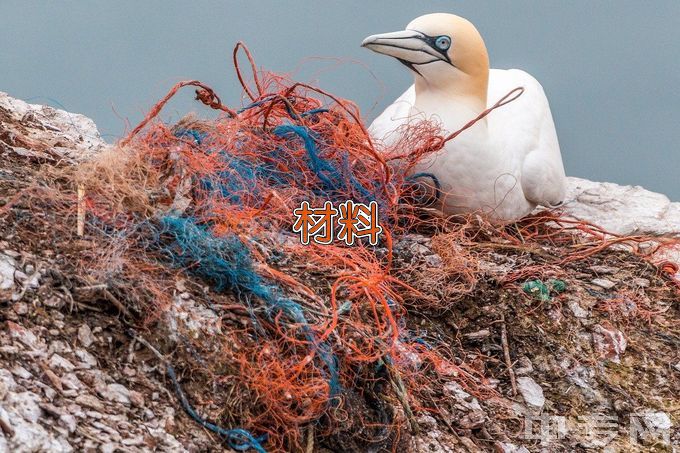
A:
542	290
559	286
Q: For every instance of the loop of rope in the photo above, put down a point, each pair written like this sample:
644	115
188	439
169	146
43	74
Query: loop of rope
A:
205	94
208	97
240	45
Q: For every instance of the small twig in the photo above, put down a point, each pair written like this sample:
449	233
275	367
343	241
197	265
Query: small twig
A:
97	287
156	352
69	296
118	304
506	354
103	289
84	306
445	420
88	435
519	248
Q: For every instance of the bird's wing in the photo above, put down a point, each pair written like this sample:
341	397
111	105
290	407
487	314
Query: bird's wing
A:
525	131
384	127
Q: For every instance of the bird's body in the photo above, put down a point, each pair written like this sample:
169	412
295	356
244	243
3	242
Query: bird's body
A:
505	164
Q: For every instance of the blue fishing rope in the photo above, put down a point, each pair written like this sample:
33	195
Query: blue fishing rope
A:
329	175
435	181
226	262
238	439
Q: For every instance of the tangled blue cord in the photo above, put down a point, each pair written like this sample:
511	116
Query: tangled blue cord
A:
238	439
226	262
333	179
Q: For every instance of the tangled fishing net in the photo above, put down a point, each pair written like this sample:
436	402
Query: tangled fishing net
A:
315	337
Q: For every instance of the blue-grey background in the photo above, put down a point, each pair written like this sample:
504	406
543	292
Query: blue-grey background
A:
611	69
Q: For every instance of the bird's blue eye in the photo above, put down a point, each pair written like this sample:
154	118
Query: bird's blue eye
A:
443	42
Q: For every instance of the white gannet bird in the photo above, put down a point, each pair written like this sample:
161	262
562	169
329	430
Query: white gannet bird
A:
507	163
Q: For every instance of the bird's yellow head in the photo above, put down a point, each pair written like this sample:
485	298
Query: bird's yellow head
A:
444	51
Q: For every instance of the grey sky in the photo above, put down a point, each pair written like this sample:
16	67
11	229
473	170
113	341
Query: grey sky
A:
611	69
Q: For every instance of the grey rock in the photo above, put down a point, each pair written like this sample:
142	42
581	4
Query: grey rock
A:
577	310
478	335
20	308
57	362
28	281
622	209
116	392
58	347
85	336
133	441
433	439
90	401
21	372
54	302
641	282
87	360
26	404
71	381
7	383
433	260
94	415
582	377
512	448
531	391
609	343
6	423
8	267
136	398
599	269
69	422
603	283
23	335
72	133
113	434
656	420
461	397
22	412
11	253
524	366
108	447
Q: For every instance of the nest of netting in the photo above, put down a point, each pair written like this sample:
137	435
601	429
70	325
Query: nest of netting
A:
315	340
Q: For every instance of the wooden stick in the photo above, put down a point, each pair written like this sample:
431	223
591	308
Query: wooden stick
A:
81	210
506	354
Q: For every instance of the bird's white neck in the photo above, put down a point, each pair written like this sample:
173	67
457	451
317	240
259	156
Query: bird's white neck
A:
458	88
454	108
456	84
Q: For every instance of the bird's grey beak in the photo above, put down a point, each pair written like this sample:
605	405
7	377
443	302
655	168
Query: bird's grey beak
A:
409	46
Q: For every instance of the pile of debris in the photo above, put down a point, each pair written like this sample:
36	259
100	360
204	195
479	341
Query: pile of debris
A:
531	353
